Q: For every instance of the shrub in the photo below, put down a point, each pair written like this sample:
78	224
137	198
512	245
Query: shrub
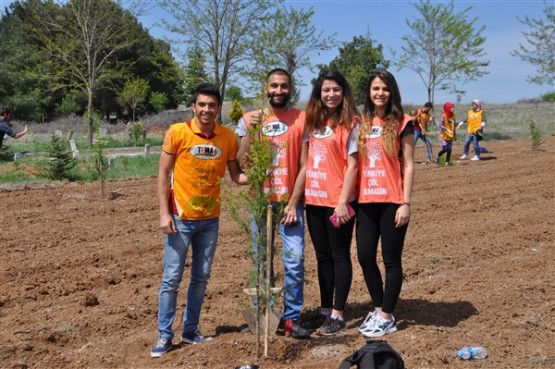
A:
549	96
536	134
61	161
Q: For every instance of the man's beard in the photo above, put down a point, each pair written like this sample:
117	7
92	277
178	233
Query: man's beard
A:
279	104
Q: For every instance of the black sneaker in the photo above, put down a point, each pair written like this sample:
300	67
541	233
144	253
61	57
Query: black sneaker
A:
193	338
331	327
292	328
315	322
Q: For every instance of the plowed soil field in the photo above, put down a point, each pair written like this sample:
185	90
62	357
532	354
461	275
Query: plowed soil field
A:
79	275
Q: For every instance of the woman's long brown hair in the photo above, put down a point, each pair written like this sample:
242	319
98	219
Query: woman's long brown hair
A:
316	113
393	115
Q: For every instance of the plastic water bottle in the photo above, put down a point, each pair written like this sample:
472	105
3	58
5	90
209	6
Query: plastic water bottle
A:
469	353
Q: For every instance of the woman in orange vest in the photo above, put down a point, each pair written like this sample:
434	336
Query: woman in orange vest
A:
330	198
386	169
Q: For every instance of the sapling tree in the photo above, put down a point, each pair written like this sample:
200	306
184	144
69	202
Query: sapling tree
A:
60	159
100	162
536	134
254	200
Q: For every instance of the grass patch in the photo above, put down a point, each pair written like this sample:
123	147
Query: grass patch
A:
29	170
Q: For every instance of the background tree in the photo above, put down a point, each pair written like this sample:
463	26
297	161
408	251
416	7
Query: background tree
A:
444	47
33	85
194	73
134	93
541	49
234	93
20	90
236	112
288	40
356	61
80	39
224	31
158	100
68	105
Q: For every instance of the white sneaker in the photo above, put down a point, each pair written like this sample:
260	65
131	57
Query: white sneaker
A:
463	157
381	327
475	158
368	322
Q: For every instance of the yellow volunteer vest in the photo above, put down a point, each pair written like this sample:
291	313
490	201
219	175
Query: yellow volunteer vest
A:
423	119
449	124
474	120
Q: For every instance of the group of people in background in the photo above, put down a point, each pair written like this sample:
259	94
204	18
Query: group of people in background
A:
339	171
476	120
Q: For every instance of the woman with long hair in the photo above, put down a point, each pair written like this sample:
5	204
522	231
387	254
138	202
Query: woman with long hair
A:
330	198
386	155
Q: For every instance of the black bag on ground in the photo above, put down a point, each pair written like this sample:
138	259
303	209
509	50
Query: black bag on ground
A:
374	355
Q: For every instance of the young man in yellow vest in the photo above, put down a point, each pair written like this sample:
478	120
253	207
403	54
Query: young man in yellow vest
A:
420	122
194	157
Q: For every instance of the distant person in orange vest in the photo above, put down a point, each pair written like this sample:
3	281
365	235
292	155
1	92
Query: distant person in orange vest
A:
6	126
447	132
420	121
476	121
331	176
386	170
193	160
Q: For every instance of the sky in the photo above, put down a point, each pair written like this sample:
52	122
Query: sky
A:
385	21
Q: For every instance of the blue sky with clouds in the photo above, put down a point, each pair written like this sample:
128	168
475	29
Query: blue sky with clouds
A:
385	21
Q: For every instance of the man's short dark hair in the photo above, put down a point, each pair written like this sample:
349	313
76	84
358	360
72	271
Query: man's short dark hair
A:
207	89
6	111
429	105
279	71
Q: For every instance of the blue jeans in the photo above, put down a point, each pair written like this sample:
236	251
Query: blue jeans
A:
418	135
292	238
472	138
202	235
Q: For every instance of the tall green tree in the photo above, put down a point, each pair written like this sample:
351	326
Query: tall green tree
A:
356	61
20	90
135	93
444	47
158	100
288	40
224	30
81	39
540	50
32	85
194	72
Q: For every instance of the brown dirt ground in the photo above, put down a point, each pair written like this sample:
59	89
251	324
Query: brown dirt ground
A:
80	275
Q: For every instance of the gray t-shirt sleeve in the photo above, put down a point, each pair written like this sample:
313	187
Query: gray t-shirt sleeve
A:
241	129
352	146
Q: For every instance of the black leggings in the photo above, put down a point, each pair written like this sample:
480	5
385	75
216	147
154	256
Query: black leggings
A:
333	254
375	221
447	148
